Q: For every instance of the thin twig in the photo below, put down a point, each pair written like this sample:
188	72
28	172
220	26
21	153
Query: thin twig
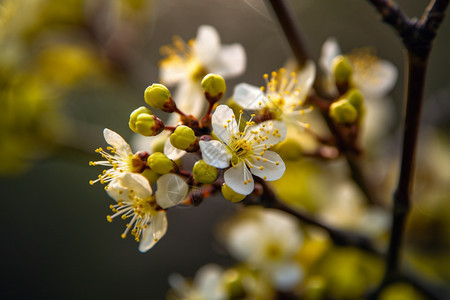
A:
295	38
417	39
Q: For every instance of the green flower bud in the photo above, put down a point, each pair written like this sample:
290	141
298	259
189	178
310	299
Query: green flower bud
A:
231	195
233	284
142	121
356	99
342	69
204	173
161	164
158	96
289	149
151	175
343	112
184	138
214	87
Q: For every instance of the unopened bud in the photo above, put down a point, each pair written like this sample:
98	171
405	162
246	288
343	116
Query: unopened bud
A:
343	112
204	173
289	149
231	195
232	279
342	69
158	96
151	175
142	121
184	138
356	99
161	164
214	87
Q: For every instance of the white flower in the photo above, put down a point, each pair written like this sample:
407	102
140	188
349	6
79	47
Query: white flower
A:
268	241
373	76
247	150
187	63
283	95
120	158
208	284
135	201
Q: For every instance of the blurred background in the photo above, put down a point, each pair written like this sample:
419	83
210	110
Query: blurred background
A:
68	69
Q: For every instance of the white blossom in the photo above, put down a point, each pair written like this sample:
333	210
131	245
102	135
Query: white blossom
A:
282	97
246	151
145	210
187	63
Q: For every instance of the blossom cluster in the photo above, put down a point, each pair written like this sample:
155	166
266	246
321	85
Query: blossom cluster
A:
238	145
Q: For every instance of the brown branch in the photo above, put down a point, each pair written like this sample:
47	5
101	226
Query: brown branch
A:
417	39
295	38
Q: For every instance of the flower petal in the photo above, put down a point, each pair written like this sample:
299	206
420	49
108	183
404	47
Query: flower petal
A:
215	154
136	183
171	152
248	96
269	166
273	131
239	179
171	191
383	76
224	123
116	141
190	99
116	191
207	44
173	70
231	61
305	79
287	275
154	232
330	49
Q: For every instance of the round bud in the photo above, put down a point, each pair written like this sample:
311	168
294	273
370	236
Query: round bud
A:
289	149
231	195
356	99
183	137
151	175
158	96
342	69
214	87
142	121
343	112
161	164
204	173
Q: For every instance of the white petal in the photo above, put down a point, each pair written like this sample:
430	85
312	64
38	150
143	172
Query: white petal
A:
215	154
189	98
173	71
305	79
116	190
270	170
207	44
171	191
136	183
330	49
115	140
172	152
249	96
287	276
209	281
383	76
244	240
274	131
239	179
154	232
224	116
231	61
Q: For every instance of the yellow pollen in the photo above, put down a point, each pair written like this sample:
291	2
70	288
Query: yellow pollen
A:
109	219
265	177
123	235
277	163
261	168
91	182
